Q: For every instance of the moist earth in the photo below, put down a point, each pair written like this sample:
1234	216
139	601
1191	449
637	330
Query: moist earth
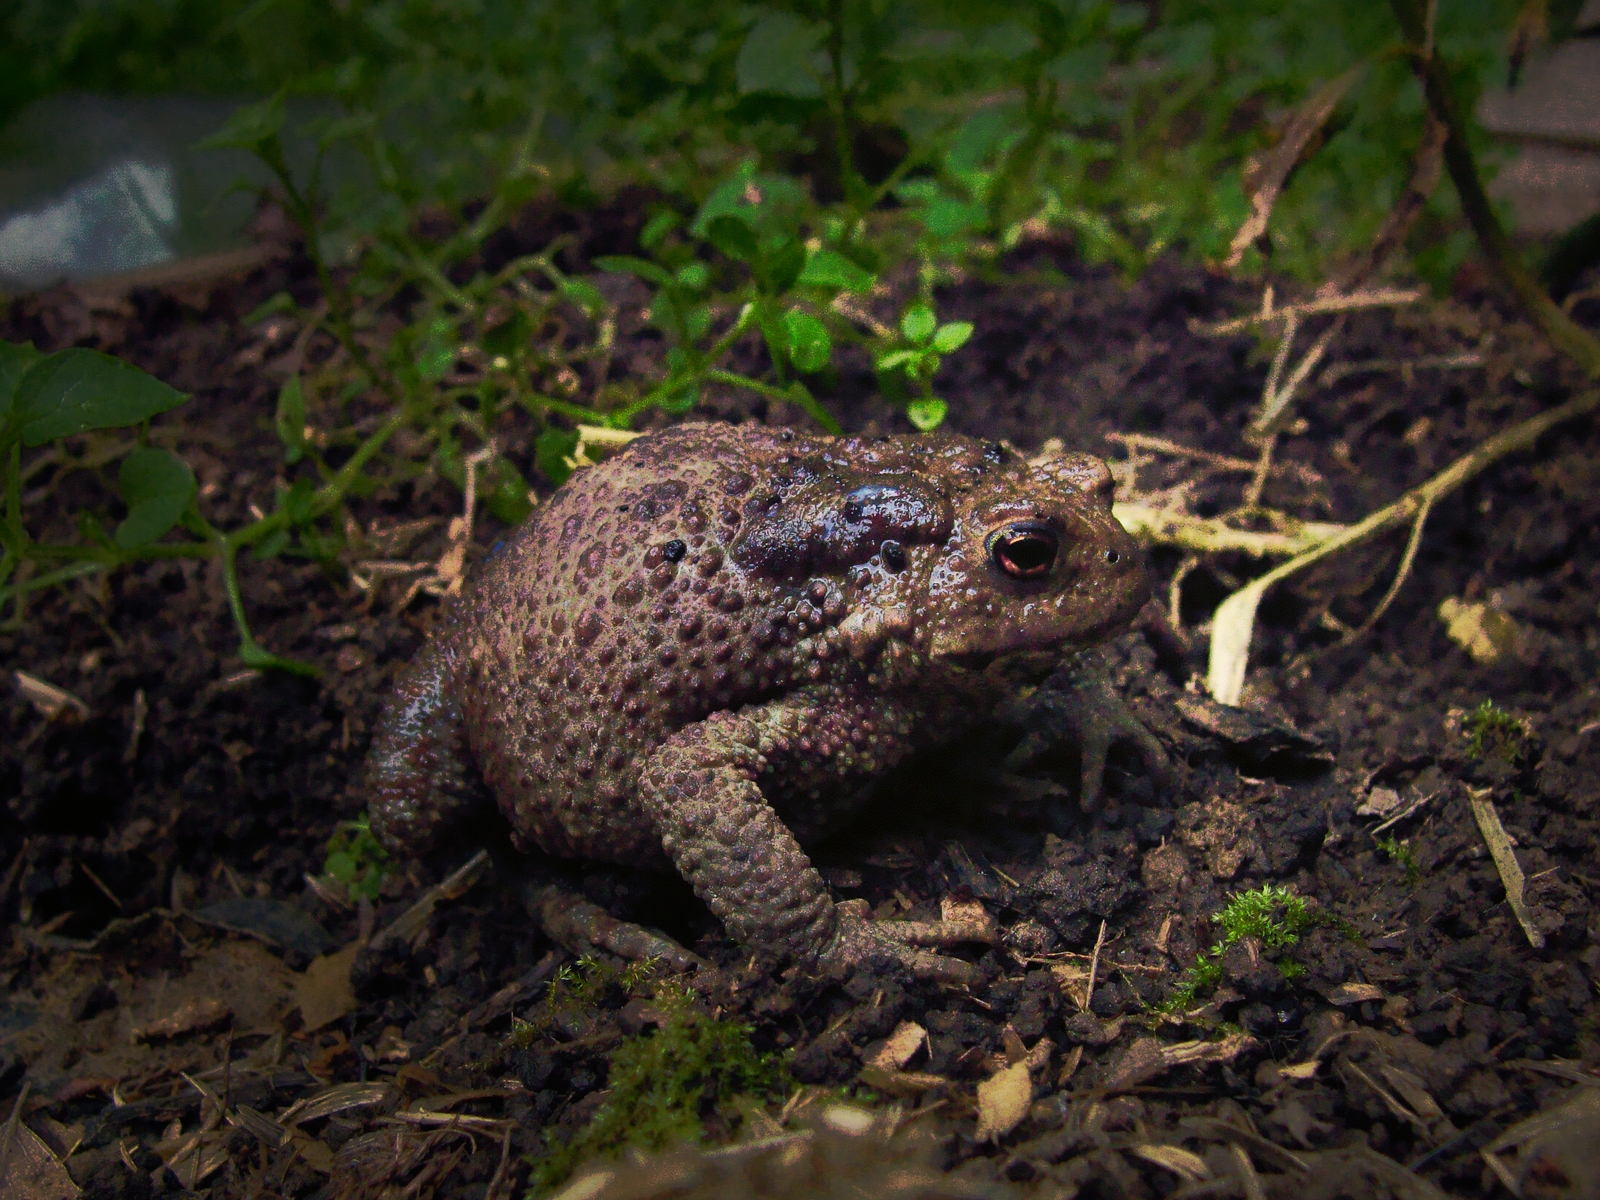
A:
157	843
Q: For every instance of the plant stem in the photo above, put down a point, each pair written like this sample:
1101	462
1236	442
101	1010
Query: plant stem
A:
1566	334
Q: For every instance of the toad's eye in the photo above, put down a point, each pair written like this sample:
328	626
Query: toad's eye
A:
1026	550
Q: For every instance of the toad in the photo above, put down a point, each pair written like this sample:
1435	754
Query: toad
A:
699	654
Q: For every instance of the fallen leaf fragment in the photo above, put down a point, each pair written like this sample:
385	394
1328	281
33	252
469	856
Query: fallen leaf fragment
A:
906	1084
192	1017
1554	1148
31	1171
1505	862
901	1046
1485	633
339	1098
51	701
1003	1101
323	990
1352	993
1148	1058
1185	1164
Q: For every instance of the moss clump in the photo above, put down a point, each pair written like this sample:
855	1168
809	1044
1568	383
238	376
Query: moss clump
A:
356	860
1274	916
1395	850
665	1087
1493	733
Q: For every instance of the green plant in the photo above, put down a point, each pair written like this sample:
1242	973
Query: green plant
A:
1494	733
1395	850
663	1087
64	405
356	860
1272	915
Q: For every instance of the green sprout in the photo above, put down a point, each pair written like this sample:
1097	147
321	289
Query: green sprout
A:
356	860
1400	852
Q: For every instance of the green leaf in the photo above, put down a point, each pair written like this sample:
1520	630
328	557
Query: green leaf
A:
585	295
898	358
251	127
918	323
551	449
830	269
809	346
438	351
658	226
776	54
290	420
693	276
509	336
945	216
74	391
14	361
296	502
952	336
733	236
778	268
341	864
157	487
628	264
927	413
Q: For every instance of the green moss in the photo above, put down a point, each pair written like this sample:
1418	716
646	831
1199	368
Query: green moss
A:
1494	733
1401	852
664	1087
356	860
1274	916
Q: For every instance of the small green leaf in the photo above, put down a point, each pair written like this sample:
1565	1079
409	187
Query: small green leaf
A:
251	127
507	496
296	502
438	351
809	345
733	236
927	413
274	544
693	276
157	487
291	420
585	295
551	449
779	268
898	358
341	864
658	226
509	336
628	264
14	361
696	321
74	391
918	323
776	57
830	269
952	336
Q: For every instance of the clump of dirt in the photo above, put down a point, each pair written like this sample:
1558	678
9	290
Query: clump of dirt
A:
157	841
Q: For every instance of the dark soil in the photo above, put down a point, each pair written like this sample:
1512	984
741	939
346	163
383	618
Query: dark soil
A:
196	796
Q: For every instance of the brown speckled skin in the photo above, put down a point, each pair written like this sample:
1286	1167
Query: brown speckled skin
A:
698	652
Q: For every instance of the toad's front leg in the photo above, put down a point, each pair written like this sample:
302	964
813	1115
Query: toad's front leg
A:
700	788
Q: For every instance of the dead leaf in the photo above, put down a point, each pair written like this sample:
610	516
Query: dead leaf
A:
1185	1164
31	1171
1352	993
51	701
1003	1101
1485	633
192	1017
1554	1147
908	1084
901	1046
323	990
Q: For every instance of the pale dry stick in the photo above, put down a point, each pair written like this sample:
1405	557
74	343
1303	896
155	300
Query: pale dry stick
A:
1425	362
1351	302
1235	617
1094	968
1175	589
1211	535
1505	861
1277	404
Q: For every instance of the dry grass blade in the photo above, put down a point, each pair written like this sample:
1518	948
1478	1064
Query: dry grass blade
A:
1266	175
1213	535
1234	621
1505	862
1376	298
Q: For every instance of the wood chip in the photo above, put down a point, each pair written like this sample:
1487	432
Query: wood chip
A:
339	1098
1352	993
1185	1164
323	989
192	1017
51	701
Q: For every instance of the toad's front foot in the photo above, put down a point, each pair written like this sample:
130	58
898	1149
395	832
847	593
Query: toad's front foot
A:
1085	711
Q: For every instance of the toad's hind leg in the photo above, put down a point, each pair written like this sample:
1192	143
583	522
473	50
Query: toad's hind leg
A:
419	784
